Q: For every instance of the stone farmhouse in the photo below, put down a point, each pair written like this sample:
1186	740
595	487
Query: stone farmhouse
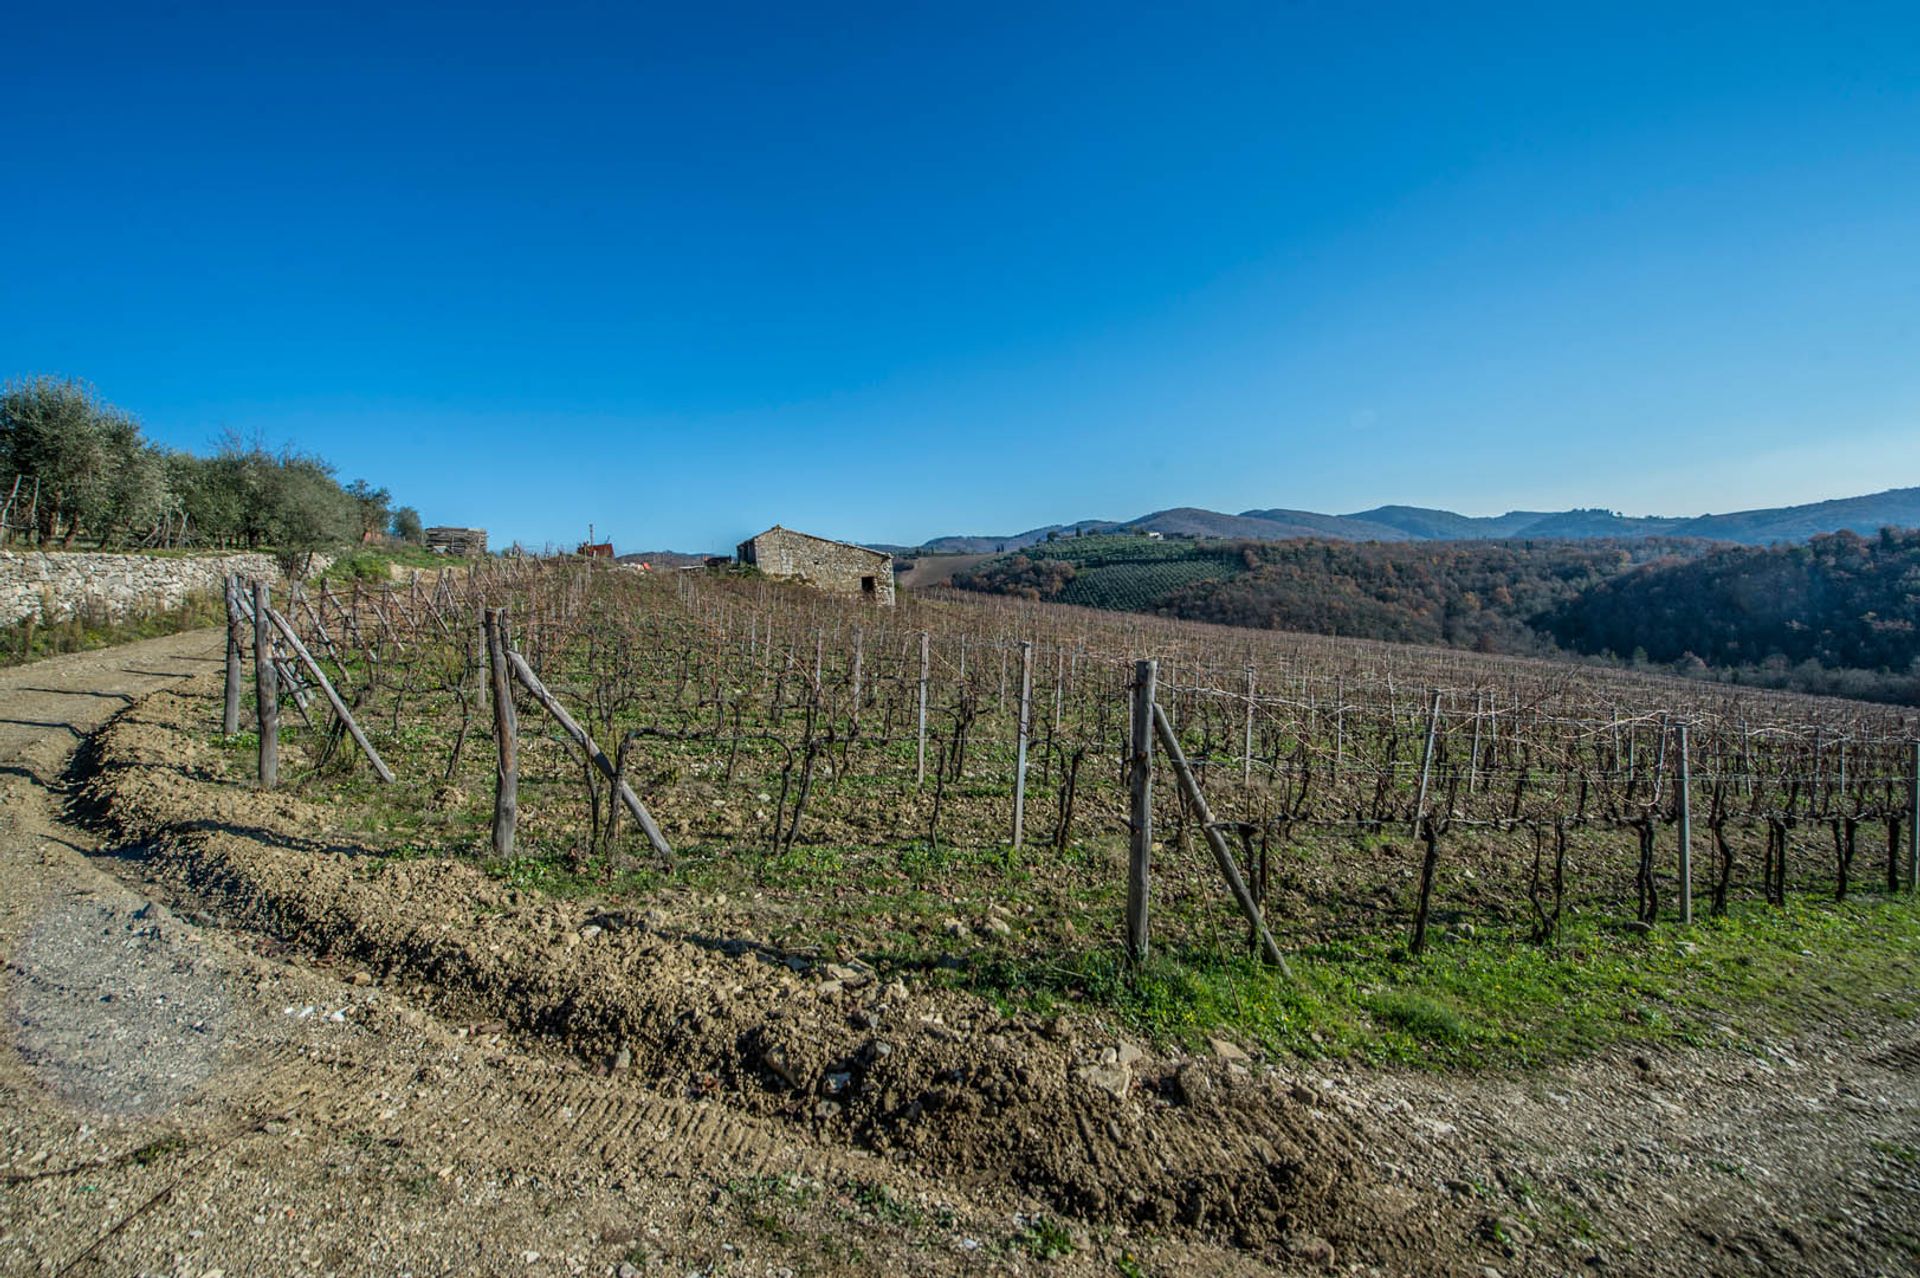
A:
836	567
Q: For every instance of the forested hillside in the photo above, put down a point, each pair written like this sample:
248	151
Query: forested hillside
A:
1841	600
1838	614
1472	593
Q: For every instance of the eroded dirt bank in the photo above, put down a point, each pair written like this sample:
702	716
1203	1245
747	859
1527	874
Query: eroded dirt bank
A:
415	1069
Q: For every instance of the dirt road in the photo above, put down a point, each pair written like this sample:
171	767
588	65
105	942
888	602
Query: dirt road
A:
181	1095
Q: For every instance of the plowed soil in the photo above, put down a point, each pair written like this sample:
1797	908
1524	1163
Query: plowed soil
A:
241	1044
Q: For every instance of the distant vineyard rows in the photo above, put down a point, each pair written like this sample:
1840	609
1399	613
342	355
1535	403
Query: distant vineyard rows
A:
1132	586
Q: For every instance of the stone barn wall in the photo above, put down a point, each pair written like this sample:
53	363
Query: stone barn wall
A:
56	585
836	567
463	543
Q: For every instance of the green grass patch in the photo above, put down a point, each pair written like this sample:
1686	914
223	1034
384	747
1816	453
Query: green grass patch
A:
32	640
158	1150
377	564
1419	1016
1045	1238
878	1203
1494	999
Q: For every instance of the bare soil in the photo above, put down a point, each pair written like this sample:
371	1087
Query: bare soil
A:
929	571
243	1043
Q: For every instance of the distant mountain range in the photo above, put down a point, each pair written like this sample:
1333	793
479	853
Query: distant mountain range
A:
1897	507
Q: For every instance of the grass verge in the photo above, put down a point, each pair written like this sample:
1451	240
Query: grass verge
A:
32	640
1495	1000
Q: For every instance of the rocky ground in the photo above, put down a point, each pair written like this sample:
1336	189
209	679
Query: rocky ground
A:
239	1047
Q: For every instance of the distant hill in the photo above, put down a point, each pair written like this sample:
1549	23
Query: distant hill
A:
1839	614
1895	508
998	545
663	558
1577	525
1481	594
1443	525
1262	525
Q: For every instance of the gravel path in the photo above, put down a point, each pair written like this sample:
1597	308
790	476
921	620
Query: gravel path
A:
111	1004
113	1008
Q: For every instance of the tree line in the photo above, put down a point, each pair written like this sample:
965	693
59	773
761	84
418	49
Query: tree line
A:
76	470
1836	602
1838	614
1469	594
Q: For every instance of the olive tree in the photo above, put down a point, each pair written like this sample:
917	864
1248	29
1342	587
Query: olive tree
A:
92	471
94	475
372	507
407	527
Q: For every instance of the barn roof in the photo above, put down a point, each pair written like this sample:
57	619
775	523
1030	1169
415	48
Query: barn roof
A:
795	532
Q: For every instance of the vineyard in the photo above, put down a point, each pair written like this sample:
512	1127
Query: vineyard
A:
945	787
1134	590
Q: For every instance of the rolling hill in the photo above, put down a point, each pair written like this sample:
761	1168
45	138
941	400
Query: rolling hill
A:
1894	508
1473	593
1838	614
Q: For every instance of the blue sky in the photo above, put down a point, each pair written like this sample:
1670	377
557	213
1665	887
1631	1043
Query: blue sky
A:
890	271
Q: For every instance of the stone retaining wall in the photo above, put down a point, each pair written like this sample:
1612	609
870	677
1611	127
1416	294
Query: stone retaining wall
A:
55	586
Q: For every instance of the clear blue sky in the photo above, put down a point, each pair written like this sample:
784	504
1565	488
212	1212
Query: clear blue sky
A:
889	271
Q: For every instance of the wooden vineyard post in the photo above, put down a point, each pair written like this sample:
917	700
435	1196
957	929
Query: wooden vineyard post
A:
853	715
1896	876
920	750
1473	754
485	698
230	720
1426	761
1020	746
1215	840
1059	688
1913	824
1140	809
1431	837
506	733
1339	726
333	697
1246	744
283	672
1686	831
266	689
1746	761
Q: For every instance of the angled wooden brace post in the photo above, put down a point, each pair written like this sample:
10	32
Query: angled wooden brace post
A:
333	698
1216	840
529	680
